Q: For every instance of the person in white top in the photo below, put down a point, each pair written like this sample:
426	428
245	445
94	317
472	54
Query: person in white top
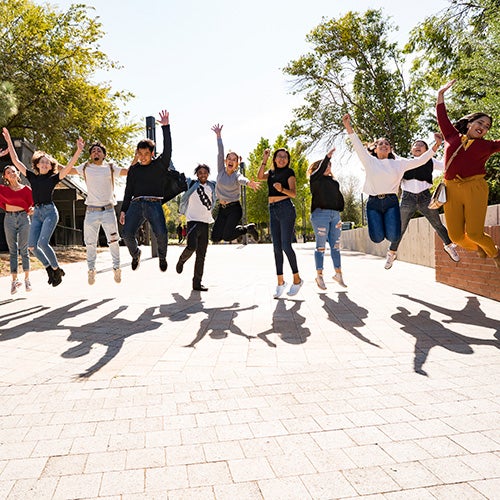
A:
416	196
99	175
383	174
197	204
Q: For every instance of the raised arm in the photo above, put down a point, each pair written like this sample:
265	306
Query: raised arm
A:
80	144
324	164
442	90
12	151
262	174
346	120
167	138
217	129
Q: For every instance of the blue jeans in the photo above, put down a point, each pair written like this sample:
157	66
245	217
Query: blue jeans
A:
384	218
326	225
138	212
282	222
43	224
91	225
410	203
17	229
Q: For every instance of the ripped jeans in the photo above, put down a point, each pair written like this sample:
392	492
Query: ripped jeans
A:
327	227
91	225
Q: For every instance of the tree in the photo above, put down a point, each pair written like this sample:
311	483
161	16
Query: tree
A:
8	101
354	67
49	58
349	186
462	42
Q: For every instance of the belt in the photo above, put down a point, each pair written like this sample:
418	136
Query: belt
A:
15	211
225	204
90	208
382	196
43	204
148	198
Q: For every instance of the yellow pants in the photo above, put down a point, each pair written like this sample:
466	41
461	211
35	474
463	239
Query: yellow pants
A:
465	212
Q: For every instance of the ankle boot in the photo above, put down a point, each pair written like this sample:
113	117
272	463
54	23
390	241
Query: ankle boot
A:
50	274
58	274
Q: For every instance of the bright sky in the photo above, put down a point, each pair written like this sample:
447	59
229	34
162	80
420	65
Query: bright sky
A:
220	61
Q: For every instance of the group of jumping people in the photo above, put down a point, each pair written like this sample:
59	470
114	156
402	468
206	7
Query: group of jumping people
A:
31	215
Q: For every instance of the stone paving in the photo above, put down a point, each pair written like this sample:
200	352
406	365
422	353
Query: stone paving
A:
388	389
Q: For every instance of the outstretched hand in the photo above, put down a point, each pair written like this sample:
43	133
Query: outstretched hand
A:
164	117
254	185
217	129
80	144
330	153
446	86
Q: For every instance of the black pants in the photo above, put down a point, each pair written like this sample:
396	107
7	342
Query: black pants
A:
197	241
225	225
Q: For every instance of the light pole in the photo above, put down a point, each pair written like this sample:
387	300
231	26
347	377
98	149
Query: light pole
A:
244	202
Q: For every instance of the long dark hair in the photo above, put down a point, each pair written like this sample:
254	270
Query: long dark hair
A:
279	150
371	148
461	125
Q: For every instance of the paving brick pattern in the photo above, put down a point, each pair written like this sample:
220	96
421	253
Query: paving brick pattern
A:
388	389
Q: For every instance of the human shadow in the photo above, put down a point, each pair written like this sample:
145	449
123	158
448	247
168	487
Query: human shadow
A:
5	319
49	320
220	321
346	314
430	333
110	332
287	324
470	314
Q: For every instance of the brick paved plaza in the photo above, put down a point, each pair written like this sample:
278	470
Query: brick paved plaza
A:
388	389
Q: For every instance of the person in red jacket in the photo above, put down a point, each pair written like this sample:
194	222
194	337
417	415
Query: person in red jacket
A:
17	201
465	154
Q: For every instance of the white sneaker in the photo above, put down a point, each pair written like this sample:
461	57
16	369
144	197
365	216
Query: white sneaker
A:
279	291
27	285
91	276
294	289
117	275
451	250
391	257
338	278
320	282
14	286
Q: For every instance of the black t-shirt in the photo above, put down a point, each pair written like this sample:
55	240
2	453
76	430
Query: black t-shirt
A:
42	186
325	190
280	175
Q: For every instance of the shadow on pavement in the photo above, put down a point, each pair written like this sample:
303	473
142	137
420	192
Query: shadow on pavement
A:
346	314
430	333
287	324
108	331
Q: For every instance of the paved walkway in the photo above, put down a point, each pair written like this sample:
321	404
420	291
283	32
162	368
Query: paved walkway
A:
387	389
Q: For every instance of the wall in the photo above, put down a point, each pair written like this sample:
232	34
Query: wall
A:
421	245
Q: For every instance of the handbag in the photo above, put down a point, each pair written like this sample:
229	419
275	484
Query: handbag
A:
438	198
175	184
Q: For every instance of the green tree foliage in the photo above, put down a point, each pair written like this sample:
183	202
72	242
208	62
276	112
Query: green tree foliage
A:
8	101
354	67
462	42
349	186
49	58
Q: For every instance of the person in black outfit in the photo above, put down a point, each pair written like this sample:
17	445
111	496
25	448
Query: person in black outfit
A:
326	205
144	193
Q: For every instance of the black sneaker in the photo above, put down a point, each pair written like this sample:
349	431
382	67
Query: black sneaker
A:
163	265
136	260
200	288
252	231
179	267
50	274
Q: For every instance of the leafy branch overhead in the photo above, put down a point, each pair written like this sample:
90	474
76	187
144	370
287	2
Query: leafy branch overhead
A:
50	59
